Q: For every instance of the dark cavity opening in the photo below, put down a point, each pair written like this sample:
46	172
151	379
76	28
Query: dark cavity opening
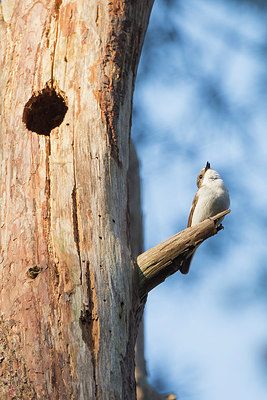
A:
45	110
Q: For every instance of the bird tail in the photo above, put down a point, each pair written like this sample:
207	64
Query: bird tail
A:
184	268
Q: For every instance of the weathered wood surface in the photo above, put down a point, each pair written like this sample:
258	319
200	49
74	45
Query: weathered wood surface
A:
67	282
163	260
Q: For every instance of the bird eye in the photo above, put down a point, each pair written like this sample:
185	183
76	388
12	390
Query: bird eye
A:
200	176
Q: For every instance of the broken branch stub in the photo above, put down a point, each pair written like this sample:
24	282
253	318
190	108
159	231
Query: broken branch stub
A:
164	259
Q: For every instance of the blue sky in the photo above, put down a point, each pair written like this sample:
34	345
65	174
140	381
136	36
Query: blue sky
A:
206	333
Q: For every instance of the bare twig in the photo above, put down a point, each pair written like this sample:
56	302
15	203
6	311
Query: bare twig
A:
163	260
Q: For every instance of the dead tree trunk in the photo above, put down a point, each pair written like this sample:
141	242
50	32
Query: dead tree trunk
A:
69	297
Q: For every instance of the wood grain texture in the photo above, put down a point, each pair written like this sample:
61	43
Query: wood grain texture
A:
64	199
163	260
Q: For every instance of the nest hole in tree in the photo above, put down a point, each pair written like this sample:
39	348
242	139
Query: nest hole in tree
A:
45	110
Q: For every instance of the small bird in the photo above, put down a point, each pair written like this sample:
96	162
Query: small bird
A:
211	198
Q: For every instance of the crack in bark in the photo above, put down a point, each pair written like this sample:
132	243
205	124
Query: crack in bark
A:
56	10
76	234
57	6
75	222
47	205
89	323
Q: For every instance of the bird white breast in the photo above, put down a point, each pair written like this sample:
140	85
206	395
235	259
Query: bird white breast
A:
213	197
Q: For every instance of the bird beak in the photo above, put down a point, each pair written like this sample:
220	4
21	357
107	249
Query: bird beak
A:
207	166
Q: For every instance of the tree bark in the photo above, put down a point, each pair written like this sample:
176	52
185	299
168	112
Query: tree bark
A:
69	295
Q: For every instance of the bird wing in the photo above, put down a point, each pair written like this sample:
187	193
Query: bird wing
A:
186	264
189	222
